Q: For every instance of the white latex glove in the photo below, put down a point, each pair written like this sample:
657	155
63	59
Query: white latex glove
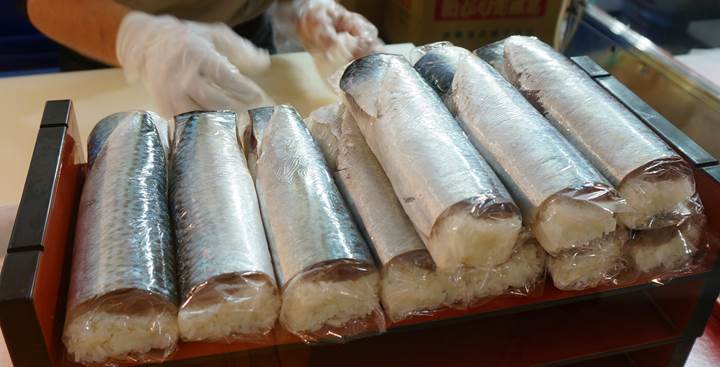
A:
333	34
191	66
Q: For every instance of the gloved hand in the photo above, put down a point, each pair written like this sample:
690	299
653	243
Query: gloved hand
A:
333	34
191	66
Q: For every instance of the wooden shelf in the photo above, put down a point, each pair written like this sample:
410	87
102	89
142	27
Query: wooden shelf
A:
562	334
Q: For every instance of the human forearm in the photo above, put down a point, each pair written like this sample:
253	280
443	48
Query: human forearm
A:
88	26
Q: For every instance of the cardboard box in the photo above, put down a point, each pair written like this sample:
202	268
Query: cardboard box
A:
469	23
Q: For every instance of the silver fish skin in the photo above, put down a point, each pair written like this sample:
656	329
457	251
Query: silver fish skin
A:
431	164
433	67
493	54
100	133
218	227
366	188
307	222
614	140
531	157
123	234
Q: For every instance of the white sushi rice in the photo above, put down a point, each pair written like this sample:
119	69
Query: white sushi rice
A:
668	255
649	199
567	223
310	305
408	289
524	269
243	310
592	266
461	239
100	335
654	250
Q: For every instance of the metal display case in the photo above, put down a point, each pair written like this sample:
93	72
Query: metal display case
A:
691	102
640	324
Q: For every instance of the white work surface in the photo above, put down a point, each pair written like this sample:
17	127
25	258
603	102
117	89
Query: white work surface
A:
292	79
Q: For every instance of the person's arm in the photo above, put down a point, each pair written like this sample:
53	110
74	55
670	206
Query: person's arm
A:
89	27
185	65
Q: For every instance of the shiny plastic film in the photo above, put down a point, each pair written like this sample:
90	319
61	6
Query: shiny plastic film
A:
654	180
330	286
669	252
564	200
410	283
324	124
228	291
455	201
661	193
522	275
438	64
122	297
332	35
257	120
493	54
601	264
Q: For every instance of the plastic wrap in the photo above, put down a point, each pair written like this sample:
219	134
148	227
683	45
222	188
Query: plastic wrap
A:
324	124
671	251
599	264
410	283
654	180
333	35
122	298
246	132
493	54
564	199
227	282
436	64
284	19
522	275
458	205
329	280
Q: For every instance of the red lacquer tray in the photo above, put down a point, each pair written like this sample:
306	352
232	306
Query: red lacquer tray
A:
642	323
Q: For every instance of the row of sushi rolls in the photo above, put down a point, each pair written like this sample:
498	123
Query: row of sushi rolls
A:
442	179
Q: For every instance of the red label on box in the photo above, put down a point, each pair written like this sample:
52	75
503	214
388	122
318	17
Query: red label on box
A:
488	9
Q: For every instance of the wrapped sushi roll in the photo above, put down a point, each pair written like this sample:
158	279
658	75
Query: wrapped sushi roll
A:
564	200
122	298
458	205
668	250
410	283
330	286
227	283
656	182
600	264
522	275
